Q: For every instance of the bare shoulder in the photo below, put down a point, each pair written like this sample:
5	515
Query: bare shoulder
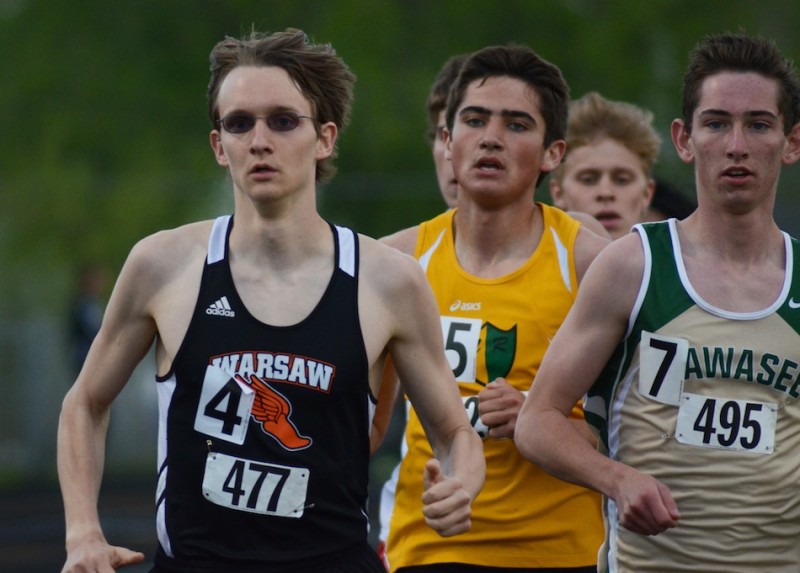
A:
164	254
388	269
162	272
404	240
179	239
590	223
618	267
587	246
609	290
159	284
393	296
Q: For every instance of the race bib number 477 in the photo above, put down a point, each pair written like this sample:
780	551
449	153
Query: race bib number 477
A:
256	487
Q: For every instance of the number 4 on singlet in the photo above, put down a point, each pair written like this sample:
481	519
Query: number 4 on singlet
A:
662	362
224	408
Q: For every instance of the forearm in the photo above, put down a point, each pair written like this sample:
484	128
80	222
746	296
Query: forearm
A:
584	430
81	455
558	445
462	457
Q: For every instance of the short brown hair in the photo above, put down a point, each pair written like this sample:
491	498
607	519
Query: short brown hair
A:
437	97
521	63
729	52
322	76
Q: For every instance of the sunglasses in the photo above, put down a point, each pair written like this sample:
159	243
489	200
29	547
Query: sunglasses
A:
242	122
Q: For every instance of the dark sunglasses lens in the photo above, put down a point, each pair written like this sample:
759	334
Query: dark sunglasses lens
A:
238	123
282	121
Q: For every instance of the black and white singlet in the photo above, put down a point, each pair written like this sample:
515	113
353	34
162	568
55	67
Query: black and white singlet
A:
264	431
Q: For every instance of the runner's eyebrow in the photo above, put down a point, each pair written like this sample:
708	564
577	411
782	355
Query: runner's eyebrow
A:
749	114
507	113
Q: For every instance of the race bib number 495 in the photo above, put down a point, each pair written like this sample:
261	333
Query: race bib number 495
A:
256	487
713	422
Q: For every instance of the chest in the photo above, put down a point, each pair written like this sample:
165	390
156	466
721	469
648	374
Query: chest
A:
499	328
282	298
747	288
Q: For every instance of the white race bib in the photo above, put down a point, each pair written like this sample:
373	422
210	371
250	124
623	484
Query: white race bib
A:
471	406
742	425
256	487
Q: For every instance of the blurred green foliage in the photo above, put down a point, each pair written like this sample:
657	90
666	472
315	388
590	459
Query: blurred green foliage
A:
104	131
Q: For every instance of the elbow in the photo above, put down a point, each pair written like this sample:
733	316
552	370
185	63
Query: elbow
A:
68	406
525	437
78	405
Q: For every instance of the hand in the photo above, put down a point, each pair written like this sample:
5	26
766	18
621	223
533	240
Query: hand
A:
499	405
98	556
446	504
645	505
381	551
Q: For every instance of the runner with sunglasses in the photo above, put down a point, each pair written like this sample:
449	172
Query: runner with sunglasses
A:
242	122
271	329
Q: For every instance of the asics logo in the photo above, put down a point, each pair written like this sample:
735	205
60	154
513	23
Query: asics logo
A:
458	305
793	304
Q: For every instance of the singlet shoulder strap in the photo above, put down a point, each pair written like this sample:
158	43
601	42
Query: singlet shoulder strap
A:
425	259
347	248
218	240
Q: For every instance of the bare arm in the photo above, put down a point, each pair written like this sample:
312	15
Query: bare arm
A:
591	332
455	476
404	241
123	340
587	246
453	482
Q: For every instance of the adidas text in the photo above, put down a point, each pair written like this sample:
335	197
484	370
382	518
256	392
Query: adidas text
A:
220	312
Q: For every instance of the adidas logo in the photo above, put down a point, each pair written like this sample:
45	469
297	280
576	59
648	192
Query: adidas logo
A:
221	308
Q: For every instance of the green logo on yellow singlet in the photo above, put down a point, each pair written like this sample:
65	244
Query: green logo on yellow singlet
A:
499	349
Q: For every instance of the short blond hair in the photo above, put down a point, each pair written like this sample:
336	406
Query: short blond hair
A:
593	117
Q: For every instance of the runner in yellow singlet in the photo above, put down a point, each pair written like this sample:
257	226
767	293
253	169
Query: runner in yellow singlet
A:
505	271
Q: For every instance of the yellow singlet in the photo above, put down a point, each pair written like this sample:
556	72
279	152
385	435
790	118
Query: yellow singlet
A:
498	327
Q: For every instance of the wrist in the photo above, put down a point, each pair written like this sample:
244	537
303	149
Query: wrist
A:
81	535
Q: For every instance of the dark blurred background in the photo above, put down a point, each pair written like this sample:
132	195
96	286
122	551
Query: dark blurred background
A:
104	139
